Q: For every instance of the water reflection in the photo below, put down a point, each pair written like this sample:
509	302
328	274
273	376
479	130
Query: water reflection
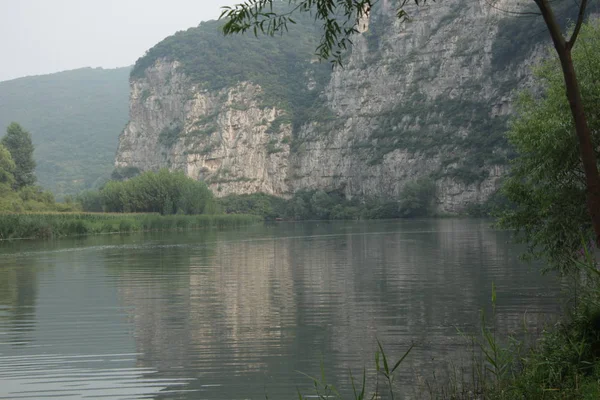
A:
18	295
235	314
73	338
249	314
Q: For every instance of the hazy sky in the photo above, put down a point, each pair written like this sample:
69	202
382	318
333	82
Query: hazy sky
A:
44	36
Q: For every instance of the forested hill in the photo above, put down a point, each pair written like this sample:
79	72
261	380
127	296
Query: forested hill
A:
282	65
75	118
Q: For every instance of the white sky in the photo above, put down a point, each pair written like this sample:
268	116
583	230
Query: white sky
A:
45	36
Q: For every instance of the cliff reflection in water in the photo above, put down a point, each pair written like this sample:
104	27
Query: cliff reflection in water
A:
243	315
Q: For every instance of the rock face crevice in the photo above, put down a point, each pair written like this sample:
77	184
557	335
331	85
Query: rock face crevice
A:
425	98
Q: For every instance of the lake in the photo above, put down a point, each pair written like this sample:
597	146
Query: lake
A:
235	314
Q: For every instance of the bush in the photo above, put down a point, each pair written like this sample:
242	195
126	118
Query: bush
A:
381	209
161	192
261	204
417	198
564	364
90	201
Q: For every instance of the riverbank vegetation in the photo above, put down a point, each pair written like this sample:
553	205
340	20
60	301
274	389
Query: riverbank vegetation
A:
151	201
161	192
417	200
54	225
136	201
560	363
168	192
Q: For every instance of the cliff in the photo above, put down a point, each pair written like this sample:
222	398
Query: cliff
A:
426	97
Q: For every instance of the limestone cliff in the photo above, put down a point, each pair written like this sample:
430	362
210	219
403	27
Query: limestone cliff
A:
220	137
429	97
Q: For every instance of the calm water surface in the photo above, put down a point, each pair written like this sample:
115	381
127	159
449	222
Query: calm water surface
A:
235	314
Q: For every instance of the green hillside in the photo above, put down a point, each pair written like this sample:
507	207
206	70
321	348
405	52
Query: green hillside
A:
282	65
75	118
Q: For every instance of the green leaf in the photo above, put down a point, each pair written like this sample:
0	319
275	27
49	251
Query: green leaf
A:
402	358
385	363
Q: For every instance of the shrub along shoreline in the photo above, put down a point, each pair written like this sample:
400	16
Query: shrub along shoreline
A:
56	225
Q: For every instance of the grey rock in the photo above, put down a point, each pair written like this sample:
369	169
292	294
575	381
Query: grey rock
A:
227	137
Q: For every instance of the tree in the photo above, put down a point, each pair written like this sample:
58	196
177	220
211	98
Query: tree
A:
321	204
7	167
417	198
298	208
547	181
18	142
90	201
564	49
341	17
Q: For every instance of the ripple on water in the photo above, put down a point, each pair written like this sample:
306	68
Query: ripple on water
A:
47	376
235	314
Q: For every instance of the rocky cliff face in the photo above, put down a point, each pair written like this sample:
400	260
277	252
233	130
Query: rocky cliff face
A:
423	98
221	137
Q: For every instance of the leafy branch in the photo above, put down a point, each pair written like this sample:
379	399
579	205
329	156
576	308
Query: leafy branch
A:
339	18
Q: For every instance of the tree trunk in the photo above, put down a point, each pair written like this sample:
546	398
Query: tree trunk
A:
582	130
586	146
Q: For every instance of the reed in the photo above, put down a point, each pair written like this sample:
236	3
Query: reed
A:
385	368
562	362
54	225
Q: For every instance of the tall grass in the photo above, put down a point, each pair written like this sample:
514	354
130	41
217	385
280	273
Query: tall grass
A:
563	362
53	225
386	370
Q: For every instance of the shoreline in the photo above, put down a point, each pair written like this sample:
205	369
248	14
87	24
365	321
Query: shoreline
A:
55	225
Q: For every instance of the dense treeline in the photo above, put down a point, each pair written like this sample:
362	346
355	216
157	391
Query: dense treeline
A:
167	192
417	200
161	192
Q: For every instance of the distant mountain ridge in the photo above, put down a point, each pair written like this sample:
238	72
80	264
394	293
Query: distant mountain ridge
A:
75	118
